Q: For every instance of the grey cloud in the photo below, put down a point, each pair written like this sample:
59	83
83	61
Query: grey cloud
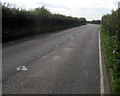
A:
52	5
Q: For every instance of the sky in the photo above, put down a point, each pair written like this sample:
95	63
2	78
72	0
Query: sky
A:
90	9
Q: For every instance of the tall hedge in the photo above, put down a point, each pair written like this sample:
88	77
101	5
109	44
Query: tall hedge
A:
19	23
111	26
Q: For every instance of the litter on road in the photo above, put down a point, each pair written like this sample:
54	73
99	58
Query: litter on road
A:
72	37
21	68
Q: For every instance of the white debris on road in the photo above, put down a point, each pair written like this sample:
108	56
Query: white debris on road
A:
50	91
72	37
44	57
21	68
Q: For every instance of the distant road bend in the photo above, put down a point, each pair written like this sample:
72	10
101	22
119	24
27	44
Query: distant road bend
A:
65	62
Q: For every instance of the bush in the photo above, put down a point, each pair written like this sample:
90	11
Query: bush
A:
111	29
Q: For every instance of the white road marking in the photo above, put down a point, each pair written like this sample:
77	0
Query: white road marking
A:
101	68
1	92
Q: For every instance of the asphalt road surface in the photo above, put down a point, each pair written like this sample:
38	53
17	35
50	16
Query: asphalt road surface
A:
64	62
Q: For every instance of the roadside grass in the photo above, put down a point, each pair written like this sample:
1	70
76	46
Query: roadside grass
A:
112	59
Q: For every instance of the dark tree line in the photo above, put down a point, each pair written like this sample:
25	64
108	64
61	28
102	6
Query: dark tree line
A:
94	22
19	23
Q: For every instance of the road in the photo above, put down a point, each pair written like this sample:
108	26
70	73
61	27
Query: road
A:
64	62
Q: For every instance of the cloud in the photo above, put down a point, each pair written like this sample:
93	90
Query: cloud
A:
50	5
91	9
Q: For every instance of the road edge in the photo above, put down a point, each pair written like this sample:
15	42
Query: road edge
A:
102	91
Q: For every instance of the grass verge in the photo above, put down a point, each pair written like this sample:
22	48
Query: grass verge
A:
112	58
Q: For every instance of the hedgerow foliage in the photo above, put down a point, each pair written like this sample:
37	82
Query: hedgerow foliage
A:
111	27
19	23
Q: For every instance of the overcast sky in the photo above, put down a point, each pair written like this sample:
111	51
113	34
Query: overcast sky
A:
90	9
